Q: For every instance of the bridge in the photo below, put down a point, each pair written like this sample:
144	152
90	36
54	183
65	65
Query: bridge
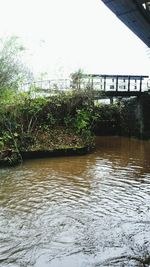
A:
99	85
119	85
135	14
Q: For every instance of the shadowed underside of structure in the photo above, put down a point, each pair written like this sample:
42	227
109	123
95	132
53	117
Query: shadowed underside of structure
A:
135	14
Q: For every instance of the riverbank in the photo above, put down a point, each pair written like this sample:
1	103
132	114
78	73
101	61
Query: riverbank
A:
57	125
54	142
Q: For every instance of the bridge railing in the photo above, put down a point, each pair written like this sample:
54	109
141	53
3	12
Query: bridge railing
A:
96	83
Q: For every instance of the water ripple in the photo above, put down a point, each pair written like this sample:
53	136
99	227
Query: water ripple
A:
84	211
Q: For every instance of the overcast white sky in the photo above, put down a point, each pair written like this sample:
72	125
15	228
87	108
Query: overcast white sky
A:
64	35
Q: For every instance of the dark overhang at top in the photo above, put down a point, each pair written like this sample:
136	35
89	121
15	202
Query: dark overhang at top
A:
135	14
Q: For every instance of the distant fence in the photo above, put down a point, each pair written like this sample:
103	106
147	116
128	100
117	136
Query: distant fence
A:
55	84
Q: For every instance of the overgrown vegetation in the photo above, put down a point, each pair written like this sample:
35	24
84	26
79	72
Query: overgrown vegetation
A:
42	123
108	122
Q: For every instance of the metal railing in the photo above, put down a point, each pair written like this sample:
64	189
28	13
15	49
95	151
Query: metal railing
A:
95	83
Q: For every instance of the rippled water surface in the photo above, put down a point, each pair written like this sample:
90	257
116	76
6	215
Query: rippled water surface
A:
85	211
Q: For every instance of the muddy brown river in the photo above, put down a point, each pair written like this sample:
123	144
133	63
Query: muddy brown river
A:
85	211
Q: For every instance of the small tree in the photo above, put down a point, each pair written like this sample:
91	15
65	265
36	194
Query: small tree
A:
76	79
12	71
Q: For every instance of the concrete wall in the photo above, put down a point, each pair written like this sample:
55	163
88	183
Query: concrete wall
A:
135	117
